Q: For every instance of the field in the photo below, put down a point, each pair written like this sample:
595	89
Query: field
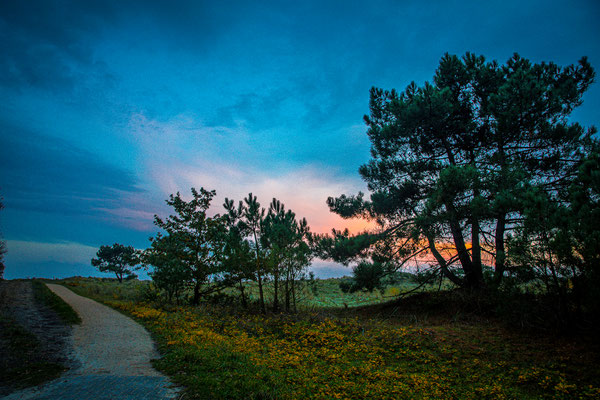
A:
320	293
373	351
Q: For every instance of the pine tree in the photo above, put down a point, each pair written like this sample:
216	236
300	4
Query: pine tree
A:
454	161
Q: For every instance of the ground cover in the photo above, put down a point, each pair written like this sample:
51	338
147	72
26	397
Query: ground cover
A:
45	296
315	356
222	352
315	294
32	335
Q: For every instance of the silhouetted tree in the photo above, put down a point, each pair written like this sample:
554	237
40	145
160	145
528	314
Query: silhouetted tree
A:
455	163
253	216
169	273
238	254
288	253
118	259
194	240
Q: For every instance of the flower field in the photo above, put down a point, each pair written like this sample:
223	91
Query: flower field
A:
218	353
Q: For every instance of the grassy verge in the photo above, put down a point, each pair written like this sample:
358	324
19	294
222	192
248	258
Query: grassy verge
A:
46	296
21	366
216	353
221	352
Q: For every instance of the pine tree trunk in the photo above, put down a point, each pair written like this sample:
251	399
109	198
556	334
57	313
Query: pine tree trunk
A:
260	294
500	250
476	253
276	288
442	263
196	298
287	291
259	275
244	303
294	295
472	278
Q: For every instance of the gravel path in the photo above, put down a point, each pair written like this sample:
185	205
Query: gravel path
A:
113	353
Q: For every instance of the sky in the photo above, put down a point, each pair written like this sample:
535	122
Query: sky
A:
110	106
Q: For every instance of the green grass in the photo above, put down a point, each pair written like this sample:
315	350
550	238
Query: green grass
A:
45	296
21	367
435	345
322	293
222	353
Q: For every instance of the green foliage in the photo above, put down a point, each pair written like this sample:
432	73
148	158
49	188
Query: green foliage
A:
45	296
215	352
118	259
191	249
367	276
484	153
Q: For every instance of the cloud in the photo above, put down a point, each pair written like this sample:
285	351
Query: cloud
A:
48	174
181	153
20	251
302	190
46	43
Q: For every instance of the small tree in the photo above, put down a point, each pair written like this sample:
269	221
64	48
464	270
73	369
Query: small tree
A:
253	217
117	258
238	255
195	241
287	251
169	274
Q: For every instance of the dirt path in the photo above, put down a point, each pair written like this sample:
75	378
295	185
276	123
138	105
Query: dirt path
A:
113	353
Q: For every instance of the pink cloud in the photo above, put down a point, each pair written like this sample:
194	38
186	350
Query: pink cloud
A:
182	153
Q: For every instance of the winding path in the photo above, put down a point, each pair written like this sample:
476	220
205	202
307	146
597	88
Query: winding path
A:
113	355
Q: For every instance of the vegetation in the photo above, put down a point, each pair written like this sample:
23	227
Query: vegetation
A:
479	180
481	167
45	296
24	360
21	367
117	259
245	245
312	294
413	348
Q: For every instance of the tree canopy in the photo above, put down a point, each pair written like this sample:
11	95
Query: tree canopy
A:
118	259
246	243
192	246
458	165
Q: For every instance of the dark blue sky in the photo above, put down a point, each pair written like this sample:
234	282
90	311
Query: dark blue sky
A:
110	106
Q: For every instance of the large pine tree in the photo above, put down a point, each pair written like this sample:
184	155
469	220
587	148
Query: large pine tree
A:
454	163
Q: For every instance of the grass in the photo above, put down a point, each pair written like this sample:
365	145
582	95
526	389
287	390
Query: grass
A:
22	368
45	296
372	352
322	293
21	364
220	353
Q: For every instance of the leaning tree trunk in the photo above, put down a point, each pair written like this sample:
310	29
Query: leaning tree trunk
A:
473	276
196	298
500	265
